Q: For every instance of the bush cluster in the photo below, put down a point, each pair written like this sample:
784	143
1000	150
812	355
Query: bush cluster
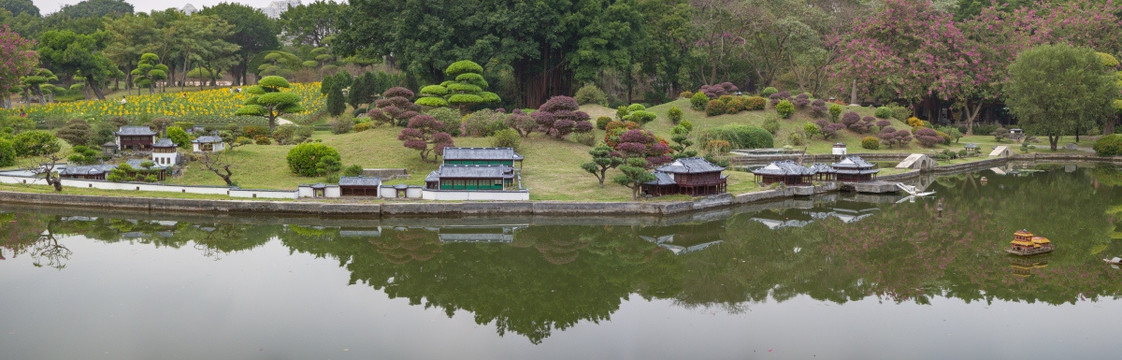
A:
802	100
768	91
675	115
779	96
739	136
771	124
699	101
785	109
916	122
591	94
715	91
928	137
818	108
754	103
507	138
714	108
883	112
602	122
1109	145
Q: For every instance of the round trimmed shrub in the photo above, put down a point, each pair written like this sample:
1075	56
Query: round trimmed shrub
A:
303	158
883	112
675	115
714	108
590	94
602	122
699	101
785	109
870	143
686	94
1109	145
928	137
507	138
754	103
768	91
771	124
835	112
7	153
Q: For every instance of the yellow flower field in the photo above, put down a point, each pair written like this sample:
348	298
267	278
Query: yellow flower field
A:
207	106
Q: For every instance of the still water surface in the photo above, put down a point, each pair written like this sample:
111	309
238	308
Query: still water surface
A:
831	277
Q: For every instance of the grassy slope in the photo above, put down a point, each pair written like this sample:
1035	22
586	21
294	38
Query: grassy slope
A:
552	167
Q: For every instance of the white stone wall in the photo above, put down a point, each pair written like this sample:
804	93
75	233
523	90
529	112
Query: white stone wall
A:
475	195
109	185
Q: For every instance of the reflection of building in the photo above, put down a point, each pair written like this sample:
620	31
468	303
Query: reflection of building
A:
476	234
667	242
1022	266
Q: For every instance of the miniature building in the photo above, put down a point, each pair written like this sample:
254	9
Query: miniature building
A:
86	172
1016	134
164	153
359	186
1024	243
109	148
208	144
972	148
135	138
481	156
690	176
823	172
787	172
838	150
319	190
161	171
854	168
471	177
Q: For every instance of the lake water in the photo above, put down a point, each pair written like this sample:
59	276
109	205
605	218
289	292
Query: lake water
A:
831	277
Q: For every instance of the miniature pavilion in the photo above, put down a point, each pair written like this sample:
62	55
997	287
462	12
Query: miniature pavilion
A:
786	171
690	176
854	168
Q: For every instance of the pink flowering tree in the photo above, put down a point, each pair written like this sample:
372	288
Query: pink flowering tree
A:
16	59
425	134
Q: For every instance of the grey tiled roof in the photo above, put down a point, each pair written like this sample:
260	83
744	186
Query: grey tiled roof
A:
473	172
87	169
690	166
164	143
359	181
822	169
454	153
135	164
207	139
853	162
136	130
784	168
662	178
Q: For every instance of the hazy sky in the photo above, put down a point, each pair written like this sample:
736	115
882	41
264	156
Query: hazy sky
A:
50	6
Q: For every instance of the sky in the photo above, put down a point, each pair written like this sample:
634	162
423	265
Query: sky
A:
50	6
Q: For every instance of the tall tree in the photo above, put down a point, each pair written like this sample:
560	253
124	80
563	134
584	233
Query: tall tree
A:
1055	90
252	30
312	24
131	36
148	71
76	55
36	80
16	59
17	7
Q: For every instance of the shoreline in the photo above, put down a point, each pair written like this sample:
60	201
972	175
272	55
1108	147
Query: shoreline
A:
521	208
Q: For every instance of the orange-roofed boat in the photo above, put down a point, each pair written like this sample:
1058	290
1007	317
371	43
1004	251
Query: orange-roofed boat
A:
1025	243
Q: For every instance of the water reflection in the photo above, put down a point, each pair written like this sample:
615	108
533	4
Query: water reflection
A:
535	276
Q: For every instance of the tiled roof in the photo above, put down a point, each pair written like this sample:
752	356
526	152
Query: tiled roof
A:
783	168
853	162
473	172
136	130
454	153
690	166
207	139
135	164
164	143
87	169
662	178
822	169
359	181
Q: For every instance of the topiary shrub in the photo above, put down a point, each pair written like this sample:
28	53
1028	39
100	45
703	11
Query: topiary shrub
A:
262	140
675	115
591	94
714	91
483	123
883	124
641	116
916	122
507	138
1109	145
835	112
734	105
7	153
829	129
585	138
768	91
686	94
795	139
686	124
771	124
739	136
779	96
602	122
714	108
699	101
883	112
810	130
304	158
785	109
818	108
851	120
1000	134
900	113
870	143
752	103
802	100
928	137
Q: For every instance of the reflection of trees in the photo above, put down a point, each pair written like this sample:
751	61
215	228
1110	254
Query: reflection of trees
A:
48	252
406	245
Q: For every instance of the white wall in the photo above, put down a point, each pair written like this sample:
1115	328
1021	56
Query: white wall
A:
109	185
476	195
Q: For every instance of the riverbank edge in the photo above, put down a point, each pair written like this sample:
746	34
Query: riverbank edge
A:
537	208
